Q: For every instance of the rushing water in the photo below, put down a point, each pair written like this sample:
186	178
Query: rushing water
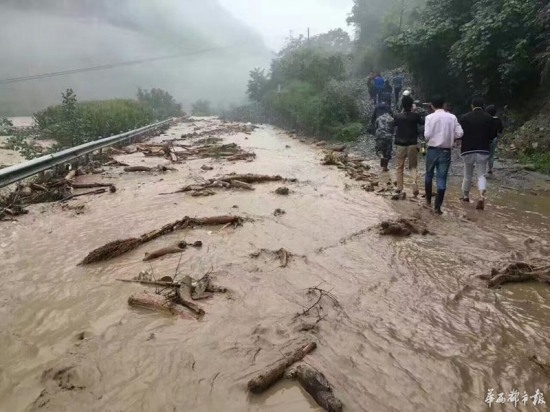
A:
399	340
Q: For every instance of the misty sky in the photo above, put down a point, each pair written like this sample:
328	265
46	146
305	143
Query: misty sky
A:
274	19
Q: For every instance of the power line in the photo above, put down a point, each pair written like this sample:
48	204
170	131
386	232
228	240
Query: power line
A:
106	66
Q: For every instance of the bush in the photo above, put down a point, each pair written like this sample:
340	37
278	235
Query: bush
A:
201	108
73	123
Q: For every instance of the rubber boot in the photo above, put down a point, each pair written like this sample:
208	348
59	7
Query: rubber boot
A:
428	189
382	163
385	163
439	201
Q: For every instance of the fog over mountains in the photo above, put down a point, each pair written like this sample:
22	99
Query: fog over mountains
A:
42	36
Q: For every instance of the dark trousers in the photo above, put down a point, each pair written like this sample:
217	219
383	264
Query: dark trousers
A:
397	91
438	162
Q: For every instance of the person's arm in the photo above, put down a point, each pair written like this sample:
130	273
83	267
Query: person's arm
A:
500	127
373	118
428	132
459	132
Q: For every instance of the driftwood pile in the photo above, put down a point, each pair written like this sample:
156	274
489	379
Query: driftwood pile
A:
517	272
356	168
178	298
61	190
313	381
402	227
120	247
232	181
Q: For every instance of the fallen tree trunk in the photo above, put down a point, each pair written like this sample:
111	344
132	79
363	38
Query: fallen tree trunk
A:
158	303
120	247
517	272
89	185
180	247
265	379
317	385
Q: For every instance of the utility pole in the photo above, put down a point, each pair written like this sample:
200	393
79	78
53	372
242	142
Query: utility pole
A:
401	15
308	36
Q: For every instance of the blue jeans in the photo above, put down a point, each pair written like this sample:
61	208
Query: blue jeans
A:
438	161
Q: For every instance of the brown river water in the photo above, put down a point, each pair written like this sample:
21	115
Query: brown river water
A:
398	341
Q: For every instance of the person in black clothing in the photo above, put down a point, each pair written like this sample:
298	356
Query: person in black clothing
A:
479	131
499	129
406	140
386	94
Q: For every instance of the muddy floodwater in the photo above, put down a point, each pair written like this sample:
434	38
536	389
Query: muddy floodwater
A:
413	329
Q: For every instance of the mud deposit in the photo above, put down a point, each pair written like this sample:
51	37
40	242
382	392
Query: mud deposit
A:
412	328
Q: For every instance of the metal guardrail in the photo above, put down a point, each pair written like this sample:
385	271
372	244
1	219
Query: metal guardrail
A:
21	171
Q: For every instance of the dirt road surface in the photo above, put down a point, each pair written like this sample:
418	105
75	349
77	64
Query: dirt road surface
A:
413	330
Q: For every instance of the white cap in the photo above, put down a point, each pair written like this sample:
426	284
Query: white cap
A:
406	93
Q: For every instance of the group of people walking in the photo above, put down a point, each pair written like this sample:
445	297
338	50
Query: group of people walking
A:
477	133
381	90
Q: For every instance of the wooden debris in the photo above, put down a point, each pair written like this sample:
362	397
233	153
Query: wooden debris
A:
93	192
120	247
241	185
317	385
283	255
158	303
184	293
275	372
178	248
401	227
517	272
279	212
92	185
283	191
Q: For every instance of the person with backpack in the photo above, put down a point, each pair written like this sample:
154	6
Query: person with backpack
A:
383	126
397	82
441	130
499	129
379	86
406	141
479	132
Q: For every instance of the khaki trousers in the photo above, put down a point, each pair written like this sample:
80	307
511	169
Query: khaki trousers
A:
404	152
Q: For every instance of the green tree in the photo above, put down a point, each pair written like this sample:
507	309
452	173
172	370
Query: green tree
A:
160	103
201	108
257	84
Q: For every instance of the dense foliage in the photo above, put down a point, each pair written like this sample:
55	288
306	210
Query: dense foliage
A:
160	103
73	123
304	88
202	108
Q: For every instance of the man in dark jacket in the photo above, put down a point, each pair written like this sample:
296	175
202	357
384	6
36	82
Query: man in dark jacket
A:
479	131
406	140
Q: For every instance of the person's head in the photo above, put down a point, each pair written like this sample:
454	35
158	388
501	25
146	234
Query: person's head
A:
407	103
491	109
448	107
438	102
478	103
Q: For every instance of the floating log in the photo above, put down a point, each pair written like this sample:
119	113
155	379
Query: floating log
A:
89	185
120	247
317	385
158	303
139	169
283	255
151	283
275	372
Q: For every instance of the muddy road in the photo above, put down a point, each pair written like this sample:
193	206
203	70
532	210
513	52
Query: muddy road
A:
413	330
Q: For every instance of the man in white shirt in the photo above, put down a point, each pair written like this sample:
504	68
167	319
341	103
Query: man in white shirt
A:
441	130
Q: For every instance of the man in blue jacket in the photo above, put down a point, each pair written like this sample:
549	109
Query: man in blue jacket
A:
479	130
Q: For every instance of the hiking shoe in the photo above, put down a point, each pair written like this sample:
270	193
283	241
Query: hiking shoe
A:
480	205
465	199
416	193
438	211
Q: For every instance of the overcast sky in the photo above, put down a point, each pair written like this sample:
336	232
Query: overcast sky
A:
275	19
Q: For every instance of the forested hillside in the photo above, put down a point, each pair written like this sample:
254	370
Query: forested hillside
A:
459	48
